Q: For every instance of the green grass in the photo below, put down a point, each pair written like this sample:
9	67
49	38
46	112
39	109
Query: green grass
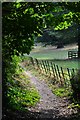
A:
49	54
61	92
21	94
45	53
67	63
57	55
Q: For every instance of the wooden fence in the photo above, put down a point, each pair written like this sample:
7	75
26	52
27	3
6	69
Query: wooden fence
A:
58	74
72	54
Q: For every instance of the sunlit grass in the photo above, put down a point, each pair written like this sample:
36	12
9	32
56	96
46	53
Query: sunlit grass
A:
21	93
59	57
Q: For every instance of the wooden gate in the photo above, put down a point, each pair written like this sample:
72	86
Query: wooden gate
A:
72	54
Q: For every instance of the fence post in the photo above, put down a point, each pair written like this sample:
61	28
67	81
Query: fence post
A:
32	61
37	63
55	71
68	72
45	66
59	75
63	76
44	69
49	68
40	65
73	71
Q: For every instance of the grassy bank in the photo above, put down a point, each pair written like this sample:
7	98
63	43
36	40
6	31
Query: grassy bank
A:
20	93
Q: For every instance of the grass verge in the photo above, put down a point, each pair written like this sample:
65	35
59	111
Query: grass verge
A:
21	94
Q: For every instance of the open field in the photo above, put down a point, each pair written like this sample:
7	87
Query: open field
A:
50	52
58	55
67	63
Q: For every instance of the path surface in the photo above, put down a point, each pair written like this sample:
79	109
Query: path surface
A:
50	106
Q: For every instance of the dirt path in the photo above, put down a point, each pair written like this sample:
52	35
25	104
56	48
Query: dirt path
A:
50	106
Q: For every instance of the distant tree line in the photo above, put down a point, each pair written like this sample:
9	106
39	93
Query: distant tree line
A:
59	37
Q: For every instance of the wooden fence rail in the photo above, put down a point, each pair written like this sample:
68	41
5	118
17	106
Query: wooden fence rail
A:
48	68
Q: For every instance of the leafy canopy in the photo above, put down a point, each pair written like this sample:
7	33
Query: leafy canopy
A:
23	21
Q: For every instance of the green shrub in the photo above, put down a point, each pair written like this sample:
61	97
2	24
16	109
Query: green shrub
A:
75	84
10	66
62	92
16	95
21	98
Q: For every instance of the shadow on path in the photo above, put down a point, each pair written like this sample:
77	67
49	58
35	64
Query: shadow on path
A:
44	114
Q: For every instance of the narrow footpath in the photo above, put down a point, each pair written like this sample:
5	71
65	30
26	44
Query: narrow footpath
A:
50	106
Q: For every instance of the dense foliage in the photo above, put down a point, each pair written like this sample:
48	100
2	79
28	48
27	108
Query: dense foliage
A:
20	94
75	17
75	83
22	21
58	37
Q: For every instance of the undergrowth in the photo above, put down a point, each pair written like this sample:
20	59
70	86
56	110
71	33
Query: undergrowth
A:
60	91
20	94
